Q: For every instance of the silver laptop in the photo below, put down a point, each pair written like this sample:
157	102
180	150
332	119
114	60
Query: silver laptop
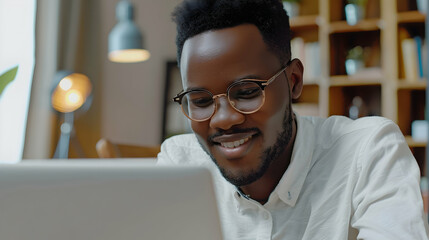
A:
93	200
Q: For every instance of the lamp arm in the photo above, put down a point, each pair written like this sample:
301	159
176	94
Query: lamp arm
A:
62	150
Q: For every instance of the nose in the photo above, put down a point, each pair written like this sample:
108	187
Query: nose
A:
225	115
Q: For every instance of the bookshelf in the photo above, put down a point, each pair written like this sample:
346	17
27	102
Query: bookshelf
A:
384	84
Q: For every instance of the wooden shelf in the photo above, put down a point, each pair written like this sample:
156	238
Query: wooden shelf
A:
417	85
380	84
411	17
308	21
364	25
345	81
412	144
306	109
311	81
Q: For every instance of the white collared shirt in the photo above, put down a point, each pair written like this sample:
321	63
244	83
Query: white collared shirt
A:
346	180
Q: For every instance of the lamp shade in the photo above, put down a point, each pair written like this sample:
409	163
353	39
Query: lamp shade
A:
125	39
71	91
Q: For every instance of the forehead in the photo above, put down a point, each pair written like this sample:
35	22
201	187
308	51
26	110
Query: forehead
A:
227	54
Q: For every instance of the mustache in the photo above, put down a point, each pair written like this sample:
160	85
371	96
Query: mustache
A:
232	131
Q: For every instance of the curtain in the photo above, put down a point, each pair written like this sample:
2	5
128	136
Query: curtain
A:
67	38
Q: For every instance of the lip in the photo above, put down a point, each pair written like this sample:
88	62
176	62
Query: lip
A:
233	137
246	140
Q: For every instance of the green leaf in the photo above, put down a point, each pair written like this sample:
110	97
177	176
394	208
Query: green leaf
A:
7	78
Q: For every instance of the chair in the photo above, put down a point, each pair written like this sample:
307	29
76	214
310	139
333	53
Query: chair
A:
107	149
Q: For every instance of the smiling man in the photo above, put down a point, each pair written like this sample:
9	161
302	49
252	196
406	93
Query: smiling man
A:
248	131
279	175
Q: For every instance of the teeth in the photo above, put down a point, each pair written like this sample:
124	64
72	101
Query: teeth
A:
235	143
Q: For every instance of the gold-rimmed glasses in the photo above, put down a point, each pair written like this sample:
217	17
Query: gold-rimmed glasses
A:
245	96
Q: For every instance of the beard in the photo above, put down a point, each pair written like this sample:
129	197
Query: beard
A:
267	156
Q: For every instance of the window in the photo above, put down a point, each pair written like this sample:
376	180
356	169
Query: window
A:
17	28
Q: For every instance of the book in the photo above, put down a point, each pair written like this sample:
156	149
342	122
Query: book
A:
422	6
425	60
410	59
418	40
309	54
312	60
297	48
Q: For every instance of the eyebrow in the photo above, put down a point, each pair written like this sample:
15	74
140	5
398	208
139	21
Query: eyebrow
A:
194	89
247	77
253	77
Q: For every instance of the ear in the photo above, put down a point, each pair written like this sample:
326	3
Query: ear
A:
296	71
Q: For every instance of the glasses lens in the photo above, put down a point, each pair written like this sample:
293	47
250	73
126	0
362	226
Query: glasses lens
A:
198	105
246	97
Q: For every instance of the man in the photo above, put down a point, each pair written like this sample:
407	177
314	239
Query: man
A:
282	176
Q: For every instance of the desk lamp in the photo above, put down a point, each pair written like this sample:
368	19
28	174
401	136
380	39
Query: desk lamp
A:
71	92
125	39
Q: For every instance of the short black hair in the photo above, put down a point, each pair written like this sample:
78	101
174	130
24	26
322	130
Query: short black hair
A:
197	16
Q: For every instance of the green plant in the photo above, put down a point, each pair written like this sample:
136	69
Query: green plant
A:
355	53
358	2
7	78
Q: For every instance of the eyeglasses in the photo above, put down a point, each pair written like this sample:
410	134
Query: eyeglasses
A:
245	96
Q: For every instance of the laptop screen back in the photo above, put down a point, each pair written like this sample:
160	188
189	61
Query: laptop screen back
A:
106	201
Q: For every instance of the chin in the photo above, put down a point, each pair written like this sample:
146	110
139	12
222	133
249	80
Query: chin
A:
240	177
240	172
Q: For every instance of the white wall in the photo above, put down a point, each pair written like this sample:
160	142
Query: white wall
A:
132	94
17	24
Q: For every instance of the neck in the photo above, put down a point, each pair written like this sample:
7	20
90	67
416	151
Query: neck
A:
261	189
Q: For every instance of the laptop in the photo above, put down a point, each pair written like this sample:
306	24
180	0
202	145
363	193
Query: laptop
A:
102	200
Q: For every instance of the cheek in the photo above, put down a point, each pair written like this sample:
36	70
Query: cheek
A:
269	119
273	112
201	130
277	96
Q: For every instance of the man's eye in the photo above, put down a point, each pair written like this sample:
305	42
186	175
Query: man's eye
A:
202	102
247	93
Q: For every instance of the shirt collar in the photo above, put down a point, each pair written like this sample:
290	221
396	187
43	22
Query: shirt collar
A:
291	183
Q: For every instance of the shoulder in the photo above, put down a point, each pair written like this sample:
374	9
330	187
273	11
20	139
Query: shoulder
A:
344	125
337	129
182	149
182	141
373	144
345	142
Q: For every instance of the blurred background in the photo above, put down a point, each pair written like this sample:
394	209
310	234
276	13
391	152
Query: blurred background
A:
127	98
361	58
